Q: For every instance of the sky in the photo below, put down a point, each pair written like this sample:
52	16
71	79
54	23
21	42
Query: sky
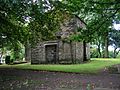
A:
116	26
110	48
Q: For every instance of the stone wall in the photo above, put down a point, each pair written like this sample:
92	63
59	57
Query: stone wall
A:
37	54
68	28
79	52
65	50
27	52
88	51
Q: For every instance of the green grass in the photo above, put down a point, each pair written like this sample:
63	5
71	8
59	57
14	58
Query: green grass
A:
94	66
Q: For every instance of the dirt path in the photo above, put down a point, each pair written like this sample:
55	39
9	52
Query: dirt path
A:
12	79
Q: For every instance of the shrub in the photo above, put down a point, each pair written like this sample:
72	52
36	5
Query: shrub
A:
7	59
11	61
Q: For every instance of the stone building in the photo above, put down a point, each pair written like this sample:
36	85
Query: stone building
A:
60	50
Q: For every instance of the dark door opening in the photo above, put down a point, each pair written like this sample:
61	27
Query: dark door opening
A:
51	53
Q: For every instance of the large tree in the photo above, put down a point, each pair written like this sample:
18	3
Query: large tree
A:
97	16
27	21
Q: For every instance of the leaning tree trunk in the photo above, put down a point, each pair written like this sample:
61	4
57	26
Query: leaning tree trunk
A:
27	52
114	53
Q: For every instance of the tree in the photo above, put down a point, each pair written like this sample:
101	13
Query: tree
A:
13	31
27	21
97	16
115	41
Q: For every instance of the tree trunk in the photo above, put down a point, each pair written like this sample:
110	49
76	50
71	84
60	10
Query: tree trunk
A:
84	51
106	45
115	53
99	50
27	52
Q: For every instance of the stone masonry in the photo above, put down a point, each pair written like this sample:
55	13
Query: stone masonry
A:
58	51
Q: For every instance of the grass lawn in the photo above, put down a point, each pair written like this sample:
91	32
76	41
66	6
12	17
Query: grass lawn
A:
91	67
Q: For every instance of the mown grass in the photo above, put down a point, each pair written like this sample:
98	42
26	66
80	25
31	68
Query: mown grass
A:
91	67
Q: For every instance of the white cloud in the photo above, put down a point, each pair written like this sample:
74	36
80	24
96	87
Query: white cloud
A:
110	48
116	26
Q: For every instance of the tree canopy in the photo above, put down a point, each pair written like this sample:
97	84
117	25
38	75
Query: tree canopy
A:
98	15
44	15
33	20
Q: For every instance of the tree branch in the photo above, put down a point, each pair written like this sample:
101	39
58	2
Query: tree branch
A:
81	20
107	19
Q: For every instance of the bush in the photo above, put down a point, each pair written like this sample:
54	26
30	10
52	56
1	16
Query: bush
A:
11	61
7	59
94	53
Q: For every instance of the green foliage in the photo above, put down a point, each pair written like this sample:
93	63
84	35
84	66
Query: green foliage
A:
7	60
118	56
94	53
114	41
25	20
97	16
114	36
44	22
17	53
11	26
111	54
44	17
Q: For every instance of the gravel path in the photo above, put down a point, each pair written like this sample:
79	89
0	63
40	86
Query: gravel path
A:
13	79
